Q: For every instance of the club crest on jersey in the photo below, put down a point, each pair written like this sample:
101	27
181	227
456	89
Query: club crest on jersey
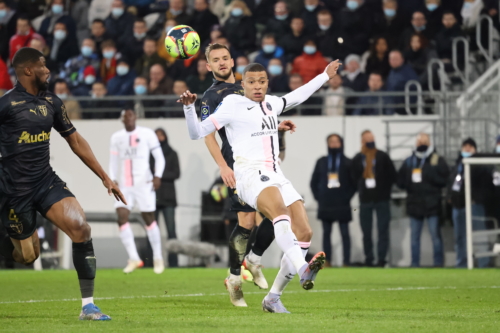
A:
264	178
43	110
269	106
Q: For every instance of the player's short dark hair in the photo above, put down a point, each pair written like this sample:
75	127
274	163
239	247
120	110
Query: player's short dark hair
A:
215	46
97	20
255	67
26	55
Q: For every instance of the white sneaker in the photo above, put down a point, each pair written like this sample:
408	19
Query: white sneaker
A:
132	265
235	292
258	277
159	266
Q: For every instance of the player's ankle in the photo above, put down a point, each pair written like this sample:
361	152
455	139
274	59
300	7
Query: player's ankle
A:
253	258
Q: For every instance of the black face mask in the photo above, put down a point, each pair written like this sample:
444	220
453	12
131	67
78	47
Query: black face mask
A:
334	151
422	148
370	145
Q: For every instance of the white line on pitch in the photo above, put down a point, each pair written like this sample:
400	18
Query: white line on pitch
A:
250	293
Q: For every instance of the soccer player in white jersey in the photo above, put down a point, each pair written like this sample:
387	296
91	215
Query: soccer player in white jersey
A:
129	167
251	125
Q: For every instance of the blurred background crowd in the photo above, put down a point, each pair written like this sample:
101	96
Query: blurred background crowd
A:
98	48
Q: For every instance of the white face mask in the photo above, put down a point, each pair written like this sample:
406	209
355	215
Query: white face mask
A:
122	70
59	34
89	79
62	96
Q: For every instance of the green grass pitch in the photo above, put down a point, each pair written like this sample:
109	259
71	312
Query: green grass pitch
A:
194	300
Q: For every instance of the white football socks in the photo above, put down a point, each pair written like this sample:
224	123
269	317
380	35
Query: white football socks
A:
287	241
287	272
127	237
154	237
88	300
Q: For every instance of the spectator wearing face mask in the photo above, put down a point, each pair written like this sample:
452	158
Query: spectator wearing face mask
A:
353	77
92	108
241	62
98	34
374	174
269	51
279	24
62	91
75	66
120	23
334	101
471	10
203	19
239	28
481	184
123	83
202	80
109	60
310	63
57	15
84	88
149	58
333	188
418	27
389	23
310	15
160	44
424	175
8	21
145	107
278	79
374	104
62	47
418	56
293	42
433	11
133	48
24	34
177	12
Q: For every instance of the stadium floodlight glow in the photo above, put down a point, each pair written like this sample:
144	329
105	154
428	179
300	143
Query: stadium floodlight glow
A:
468	200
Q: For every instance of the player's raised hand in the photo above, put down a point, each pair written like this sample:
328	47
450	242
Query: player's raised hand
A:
287	125
227	175
114	190
187	98
332	68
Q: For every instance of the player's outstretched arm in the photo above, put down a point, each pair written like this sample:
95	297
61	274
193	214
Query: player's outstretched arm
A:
82	149
300	95
196	129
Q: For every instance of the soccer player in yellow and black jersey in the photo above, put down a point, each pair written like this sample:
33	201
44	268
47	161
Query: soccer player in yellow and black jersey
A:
27	182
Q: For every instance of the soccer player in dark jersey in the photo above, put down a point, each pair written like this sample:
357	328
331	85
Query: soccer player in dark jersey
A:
27	182
220	64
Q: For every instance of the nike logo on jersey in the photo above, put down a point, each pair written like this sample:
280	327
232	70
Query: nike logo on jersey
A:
250	108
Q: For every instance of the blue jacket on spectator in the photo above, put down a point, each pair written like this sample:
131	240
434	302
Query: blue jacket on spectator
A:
264	58
373	102
122	85
396	82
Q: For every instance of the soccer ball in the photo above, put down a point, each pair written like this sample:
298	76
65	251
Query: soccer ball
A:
182	42
245	276
219	192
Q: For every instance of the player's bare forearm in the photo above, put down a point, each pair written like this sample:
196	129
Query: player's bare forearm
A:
214	149
82	149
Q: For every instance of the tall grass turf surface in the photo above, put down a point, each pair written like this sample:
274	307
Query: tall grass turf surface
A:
194	300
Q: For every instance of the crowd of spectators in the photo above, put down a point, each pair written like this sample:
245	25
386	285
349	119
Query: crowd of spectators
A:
430	185
383	44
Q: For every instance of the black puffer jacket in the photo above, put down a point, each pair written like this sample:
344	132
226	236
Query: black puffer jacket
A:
166	196
424	198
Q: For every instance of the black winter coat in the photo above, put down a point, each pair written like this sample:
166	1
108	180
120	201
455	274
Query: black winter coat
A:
166	195
241	32
333	203
481	181
424	199
385	177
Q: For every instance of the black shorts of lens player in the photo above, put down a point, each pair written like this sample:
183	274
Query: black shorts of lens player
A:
19	214
219	217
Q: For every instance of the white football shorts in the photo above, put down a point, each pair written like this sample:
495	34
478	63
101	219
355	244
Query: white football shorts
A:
140	196
251	182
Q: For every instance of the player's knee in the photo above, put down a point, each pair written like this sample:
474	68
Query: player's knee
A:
304	234
28	259
80	233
